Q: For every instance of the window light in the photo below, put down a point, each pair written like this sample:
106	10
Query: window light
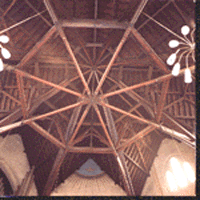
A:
171	181
178	172
189	172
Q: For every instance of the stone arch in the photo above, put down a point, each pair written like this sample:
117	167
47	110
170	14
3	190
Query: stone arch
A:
10	174
13	161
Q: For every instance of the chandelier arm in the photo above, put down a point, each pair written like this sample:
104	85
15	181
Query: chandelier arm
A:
186	58
177	51
192	35
189	42
183	43
182	55
193	56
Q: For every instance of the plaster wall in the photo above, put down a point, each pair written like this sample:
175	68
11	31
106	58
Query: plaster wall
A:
89	180
156	184
14	162
76	185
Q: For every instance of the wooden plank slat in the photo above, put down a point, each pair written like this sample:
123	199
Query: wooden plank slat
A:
175	105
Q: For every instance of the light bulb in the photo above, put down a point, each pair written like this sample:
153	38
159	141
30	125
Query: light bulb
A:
171	59
185	30
188	76
176	69
4	39
6	54
173	43
1	65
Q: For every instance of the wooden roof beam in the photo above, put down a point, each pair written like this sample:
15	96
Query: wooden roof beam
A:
188	139
36	47
10	96
136	137
149	50
50	105
142	156
101	138
176	123
43	18
9	7
128	184
54	171
81	137
15	115
109	118
133	95
162	99
113	139
66	43
92	23
27	75
156	80
42	116
95	30
136	164
18	113
11	117
93	150
121	43
129	111
20	85
83	45
61	153
69	136
52	92
79	124
174	102
120	155
107	44
46	134
103	125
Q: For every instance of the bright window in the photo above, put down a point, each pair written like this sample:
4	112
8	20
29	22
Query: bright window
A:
178	172
179	175
189	171
171	181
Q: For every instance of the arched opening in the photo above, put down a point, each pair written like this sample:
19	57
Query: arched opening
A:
5	187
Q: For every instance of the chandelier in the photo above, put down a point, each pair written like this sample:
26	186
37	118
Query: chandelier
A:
4	52
186	49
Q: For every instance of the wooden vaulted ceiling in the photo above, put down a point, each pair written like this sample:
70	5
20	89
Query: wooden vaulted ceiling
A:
87	78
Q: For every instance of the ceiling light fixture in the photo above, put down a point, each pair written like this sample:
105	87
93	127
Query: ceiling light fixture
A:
187	48
4	52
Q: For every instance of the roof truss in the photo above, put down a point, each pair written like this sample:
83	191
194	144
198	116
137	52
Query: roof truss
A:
91	97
